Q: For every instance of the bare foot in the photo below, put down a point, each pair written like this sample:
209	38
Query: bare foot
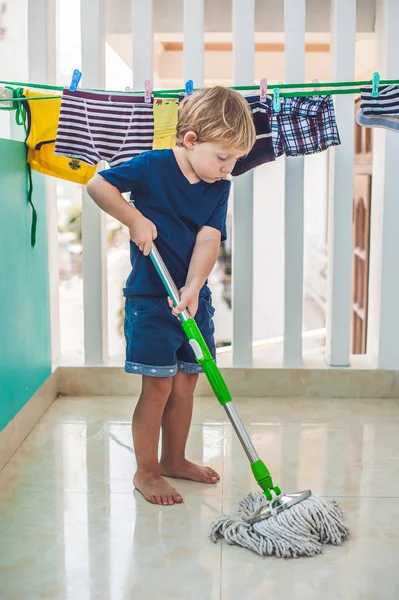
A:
189	470
155	489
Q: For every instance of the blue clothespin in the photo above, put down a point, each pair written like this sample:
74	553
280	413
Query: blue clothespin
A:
76	77
276	100
189	87
375	83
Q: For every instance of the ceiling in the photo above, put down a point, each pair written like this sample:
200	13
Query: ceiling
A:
269	16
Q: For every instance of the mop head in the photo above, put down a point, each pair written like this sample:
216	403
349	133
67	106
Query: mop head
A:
297	531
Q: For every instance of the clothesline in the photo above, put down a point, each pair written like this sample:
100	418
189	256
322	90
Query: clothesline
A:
67	139
338	87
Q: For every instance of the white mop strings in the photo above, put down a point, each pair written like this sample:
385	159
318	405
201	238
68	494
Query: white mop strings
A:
297	531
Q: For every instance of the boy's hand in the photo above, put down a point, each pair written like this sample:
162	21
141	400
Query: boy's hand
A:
188	300
142	232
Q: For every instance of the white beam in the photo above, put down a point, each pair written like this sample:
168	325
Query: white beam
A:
42	69
340	228
243	230
194	41
383	324
143	45
95	298
294	22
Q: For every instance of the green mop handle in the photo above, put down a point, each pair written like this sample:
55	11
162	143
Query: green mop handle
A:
214	376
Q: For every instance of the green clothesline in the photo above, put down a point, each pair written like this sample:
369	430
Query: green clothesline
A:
338	87
318	89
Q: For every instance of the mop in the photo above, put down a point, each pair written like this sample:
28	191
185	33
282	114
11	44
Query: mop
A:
287	525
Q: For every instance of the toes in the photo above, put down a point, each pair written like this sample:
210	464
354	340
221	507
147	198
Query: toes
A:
165	500
152	499
176	497
212	474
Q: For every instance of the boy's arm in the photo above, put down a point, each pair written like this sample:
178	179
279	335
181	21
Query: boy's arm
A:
108	198
203	260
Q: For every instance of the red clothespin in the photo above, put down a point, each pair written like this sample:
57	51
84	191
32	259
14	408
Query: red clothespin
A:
263	89
147	90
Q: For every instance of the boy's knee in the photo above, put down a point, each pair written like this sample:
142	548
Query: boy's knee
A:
159	386
185	382
190	378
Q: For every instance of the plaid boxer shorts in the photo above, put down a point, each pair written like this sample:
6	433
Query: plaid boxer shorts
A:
304	125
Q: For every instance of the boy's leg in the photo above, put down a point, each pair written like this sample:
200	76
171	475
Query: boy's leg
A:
146	426
175	427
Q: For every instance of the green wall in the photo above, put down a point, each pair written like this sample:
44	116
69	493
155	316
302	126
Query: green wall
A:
25	352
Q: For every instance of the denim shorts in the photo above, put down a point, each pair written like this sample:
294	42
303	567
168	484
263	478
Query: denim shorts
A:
156	344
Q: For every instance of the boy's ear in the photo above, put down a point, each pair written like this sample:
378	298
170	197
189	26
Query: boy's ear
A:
189	139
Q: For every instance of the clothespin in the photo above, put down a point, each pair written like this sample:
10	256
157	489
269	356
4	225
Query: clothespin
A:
263	89
276	100
76	77
189	87
147	90
128	89
375	83
6	93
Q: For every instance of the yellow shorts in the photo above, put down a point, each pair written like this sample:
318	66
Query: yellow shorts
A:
42	129
165	122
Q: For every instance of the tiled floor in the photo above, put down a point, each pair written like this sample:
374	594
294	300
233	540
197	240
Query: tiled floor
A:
72	528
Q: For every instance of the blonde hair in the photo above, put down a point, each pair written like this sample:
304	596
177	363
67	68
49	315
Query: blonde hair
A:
217	114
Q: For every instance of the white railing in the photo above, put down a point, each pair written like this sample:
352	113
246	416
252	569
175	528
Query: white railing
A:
383	336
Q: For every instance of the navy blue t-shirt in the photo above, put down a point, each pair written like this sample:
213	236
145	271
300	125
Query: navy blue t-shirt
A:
178	209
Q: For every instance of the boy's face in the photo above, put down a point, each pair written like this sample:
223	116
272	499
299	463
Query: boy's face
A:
212	162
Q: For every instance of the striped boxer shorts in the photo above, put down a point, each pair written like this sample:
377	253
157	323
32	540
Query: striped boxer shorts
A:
262	151
386	103
96	126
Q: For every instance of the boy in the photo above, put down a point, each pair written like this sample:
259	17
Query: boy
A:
180	198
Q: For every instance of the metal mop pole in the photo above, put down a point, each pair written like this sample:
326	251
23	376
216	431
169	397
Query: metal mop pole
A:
205	359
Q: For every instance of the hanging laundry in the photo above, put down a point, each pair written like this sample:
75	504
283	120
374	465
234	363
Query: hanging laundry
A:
165	123
386	103
42	119
96	126
304	125
262	151
382	111
384	121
